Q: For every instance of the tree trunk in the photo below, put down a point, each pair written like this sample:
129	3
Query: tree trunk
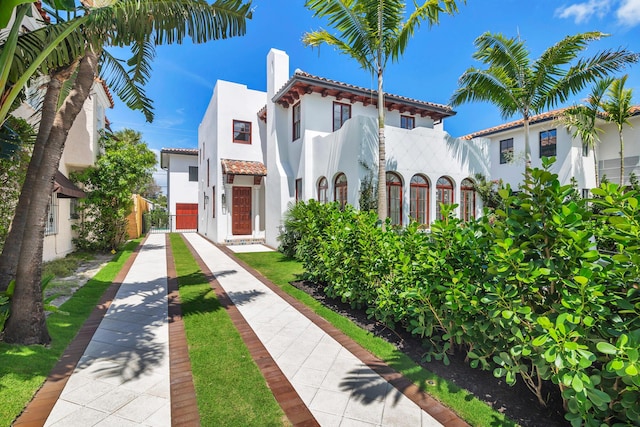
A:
26	324
527	147
621	159
382	163
13	243
595	166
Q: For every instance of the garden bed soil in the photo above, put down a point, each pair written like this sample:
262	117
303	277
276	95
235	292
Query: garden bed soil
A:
517	402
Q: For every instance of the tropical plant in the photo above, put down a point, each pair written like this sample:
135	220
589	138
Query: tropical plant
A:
582	120
124	169
78	61
517	85
618	110
373	32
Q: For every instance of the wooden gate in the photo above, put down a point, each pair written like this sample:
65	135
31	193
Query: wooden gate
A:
186	216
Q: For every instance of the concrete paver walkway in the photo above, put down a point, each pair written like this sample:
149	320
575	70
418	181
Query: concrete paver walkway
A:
135	369
123	377
338	388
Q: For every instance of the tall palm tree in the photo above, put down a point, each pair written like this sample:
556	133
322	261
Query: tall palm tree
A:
618	110
517	85
582	119
373	32
140	24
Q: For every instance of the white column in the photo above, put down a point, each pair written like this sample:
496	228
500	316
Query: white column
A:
228	191
255	210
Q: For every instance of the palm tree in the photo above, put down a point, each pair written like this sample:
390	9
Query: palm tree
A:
140	24
372	32
583	120
618	110
518	85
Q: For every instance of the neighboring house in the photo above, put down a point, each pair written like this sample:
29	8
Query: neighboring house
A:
80	151
549	137
315	138
181	165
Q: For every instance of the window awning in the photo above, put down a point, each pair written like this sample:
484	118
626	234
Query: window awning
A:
65	189
243	167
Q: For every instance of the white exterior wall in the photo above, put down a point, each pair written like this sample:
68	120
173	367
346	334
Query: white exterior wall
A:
570	163
609	150
230	101
80	151
280	179
179	188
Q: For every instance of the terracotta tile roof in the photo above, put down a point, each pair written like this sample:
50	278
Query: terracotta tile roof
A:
186	151
304	83
539	118
106	90
243	167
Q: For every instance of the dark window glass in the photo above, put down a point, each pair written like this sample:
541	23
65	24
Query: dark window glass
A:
193	173
341	113
506	150
340	190
407	122
419	203
296	122
444	194
548	143
323	186
241	132
468	202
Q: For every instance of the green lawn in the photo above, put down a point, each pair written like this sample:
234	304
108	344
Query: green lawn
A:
23	369
230	389
282	271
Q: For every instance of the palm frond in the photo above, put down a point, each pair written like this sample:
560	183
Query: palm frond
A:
128	90
140	62
429	11
587	71
487	85
317	38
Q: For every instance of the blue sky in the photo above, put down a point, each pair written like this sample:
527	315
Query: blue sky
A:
183	76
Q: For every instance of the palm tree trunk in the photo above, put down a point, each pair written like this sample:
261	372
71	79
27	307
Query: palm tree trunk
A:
527	147
595	167
382	163
26	324
621	158
13	243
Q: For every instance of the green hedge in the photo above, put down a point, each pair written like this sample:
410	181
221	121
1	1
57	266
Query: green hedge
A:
522	291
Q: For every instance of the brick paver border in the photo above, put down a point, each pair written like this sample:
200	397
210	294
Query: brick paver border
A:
284	393
38	410
437	410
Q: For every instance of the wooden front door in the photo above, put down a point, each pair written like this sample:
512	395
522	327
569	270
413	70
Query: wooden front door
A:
241	210
186	216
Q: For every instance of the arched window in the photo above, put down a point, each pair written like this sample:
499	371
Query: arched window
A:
444	194
468	202
394	198
419	203
323	186
340	190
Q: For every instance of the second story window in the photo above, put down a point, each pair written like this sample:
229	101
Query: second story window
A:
548	143
241	132
193	173
506	150
407	122
296	122
341	113
298	189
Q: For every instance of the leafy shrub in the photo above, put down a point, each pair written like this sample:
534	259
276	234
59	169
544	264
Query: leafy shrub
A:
525	292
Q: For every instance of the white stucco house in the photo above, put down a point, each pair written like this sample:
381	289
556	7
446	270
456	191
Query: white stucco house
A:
80	151
549	137
181	165
309	137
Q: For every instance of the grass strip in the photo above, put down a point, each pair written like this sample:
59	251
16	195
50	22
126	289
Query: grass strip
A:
230	389
23	369
281	271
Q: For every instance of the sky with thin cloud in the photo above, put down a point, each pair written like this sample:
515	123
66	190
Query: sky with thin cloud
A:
184	76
